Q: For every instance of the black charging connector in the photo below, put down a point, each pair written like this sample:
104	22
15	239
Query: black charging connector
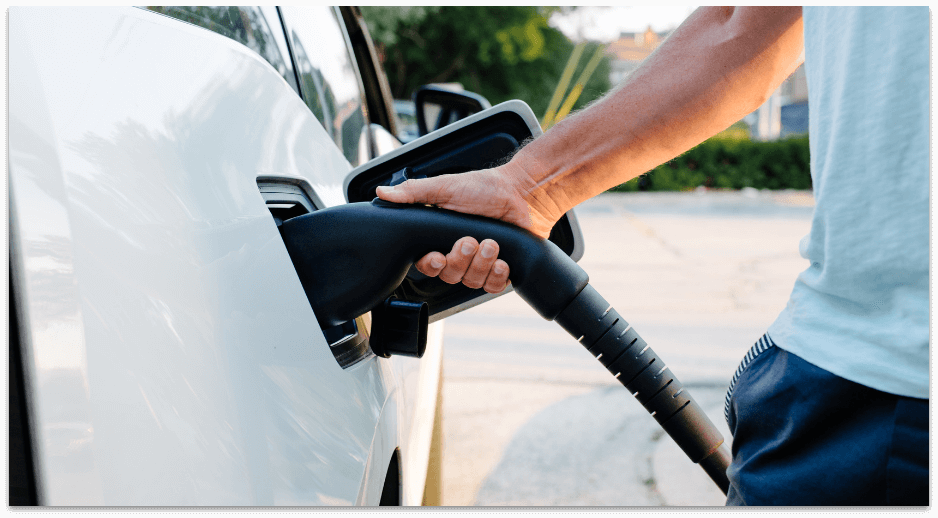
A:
346	274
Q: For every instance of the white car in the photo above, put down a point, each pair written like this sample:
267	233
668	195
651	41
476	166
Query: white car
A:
162	349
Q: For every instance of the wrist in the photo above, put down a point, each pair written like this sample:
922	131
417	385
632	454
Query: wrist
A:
532	197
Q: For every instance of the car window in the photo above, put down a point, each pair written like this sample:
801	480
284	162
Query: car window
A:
406	115
257	28
328	76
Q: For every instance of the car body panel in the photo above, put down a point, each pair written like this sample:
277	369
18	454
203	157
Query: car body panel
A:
173	358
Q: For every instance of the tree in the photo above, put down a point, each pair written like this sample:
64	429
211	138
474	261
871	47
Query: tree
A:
502	53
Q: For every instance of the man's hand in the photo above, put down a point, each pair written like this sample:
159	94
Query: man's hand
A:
474	264
498	193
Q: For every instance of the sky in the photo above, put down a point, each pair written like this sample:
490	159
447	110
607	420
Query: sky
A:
605	23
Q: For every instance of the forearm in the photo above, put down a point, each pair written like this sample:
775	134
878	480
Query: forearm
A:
721	64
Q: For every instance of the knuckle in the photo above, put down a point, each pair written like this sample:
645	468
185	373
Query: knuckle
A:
494	287
450	278
436	261
478	272
496	283
454	271
428	271
407	184
457	263
473	280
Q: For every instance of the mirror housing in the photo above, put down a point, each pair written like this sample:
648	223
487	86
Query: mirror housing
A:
437	107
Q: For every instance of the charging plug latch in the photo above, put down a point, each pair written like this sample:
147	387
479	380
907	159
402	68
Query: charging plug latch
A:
403	175
399	327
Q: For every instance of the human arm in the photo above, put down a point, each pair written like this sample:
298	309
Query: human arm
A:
719	65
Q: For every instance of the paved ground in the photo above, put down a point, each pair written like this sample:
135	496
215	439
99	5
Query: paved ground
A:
531	419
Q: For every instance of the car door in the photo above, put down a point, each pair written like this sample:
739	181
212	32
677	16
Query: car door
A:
419	380
170	356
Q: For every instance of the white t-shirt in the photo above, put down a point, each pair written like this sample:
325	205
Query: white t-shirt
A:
860	310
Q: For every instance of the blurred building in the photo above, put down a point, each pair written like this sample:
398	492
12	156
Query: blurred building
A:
784	114
630	50
786	111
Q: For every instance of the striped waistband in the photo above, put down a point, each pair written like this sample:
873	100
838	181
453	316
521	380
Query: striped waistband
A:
762	345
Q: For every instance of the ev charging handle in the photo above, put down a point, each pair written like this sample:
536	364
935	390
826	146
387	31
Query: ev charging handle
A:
350	258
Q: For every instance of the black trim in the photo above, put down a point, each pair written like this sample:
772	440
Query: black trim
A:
22	480
391	495
286	35
377	90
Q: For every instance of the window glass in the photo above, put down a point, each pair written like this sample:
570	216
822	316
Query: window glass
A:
246	25
328	77
269	12
406	114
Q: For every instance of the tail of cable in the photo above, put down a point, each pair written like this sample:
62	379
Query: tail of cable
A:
608	337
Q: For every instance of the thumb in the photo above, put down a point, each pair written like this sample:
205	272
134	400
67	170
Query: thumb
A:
426	190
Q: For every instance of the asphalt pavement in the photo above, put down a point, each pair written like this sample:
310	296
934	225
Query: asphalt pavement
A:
532	419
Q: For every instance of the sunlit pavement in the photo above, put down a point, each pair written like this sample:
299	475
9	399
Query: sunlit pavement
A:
531	419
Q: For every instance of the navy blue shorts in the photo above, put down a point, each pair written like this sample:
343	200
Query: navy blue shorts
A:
803	436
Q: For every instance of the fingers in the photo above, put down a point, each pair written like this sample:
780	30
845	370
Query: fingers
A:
395	193
497	280
481	264
458	260
431	264
427	190
474	264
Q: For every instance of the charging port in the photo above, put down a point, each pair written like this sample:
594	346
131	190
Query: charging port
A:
288	198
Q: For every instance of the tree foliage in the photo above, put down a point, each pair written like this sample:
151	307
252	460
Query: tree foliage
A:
502	53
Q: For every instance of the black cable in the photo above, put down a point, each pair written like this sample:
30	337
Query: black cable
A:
608	337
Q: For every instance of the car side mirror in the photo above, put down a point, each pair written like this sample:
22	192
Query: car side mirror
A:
437	107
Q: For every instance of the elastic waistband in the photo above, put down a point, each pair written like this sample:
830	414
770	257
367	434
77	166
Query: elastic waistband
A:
762	345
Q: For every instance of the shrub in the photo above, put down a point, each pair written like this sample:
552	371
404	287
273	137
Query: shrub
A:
731	163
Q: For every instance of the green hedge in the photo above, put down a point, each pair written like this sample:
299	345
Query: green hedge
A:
731	163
